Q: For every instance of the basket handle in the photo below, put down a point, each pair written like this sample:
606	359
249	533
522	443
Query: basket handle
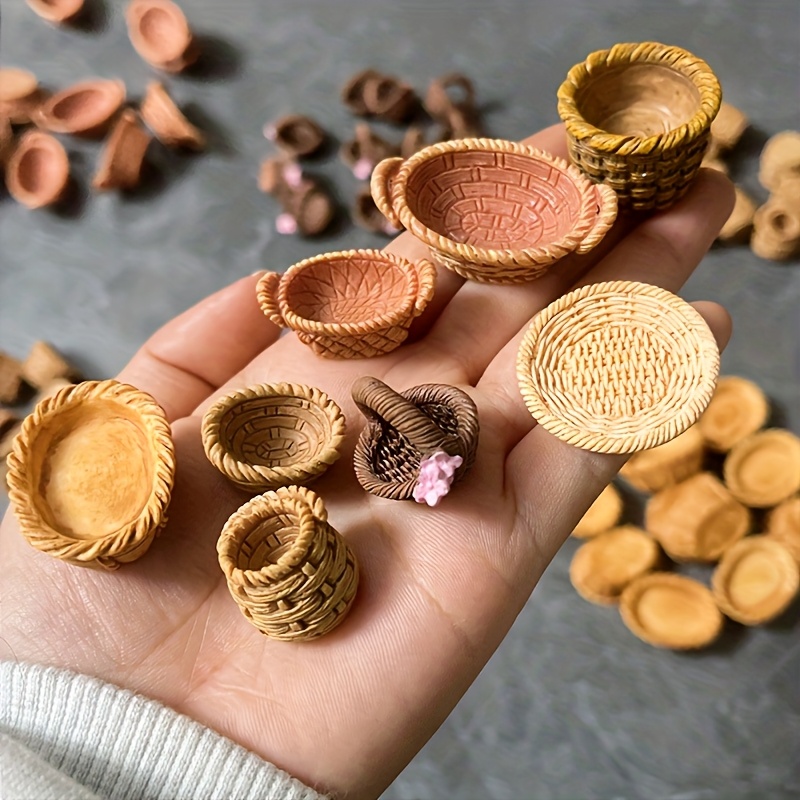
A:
426	275
380	185
267	293
606	214
381	403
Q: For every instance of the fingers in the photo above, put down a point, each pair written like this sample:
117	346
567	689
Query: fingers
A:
187	359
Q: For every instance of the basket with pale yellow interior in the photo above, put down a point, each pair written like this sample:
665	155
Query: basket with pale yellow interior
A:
91	473
491	210
290	572
349	304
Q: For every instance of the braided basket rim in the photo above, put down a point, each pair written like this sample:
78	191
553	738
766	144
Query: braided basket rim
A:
107	549
305	504
707	354
399	316
590	219
627	53
258	474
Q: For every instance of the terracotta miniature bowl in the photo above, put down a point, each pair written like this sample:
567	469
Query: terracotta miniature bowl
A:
273	435
37	172
491	210
755	580
764	469
737	409
91	473
351	303
20	95
617	367
56	11
84	109
165	119
671	611
638	119
122	159
160	34
604	566
697	519
603	515
783	524
291	574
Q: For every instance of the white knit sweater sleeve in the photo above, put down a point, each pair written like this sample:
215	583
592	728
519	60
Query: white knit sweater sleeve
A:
72	737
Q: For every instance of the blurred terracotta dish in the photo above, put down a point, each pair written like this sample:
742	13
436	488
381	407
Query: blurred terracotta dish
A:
123	156
450	100
783	524
617	367
669	463
349	304
780	160
85	108
296	134
37	173
91	474
602	516
290	572
738	408
416	443
272	435
7	144
353	92
390	99
56	11
20	95
739	225
776	229
165	119
365	150
160	34
671	611
727	128
604	566
491	210
764	469
638	119
756	580
697	519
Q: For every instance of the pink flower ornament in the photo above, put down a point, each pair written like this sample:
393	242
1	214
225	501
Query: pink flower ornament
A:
436	477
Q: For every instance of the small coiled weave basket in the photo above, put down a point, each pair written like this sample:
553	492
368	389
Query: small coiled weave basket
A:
291	574
638	119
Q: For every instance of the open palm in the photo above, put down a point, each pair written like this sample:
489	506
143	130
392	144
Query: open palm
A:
439	587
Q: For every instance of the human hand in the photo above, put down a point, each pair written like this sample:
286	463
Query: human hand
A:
439	587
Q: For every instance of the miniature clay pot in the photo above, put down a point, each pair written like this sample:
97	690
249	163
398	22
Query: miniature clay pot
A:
122	158
603	515
604	566
491	210
20	95
617	367
638	119
739	225
755	580
272	435
671	611
369	216
406	429
160	34
737	409
7	143
297	134
164	118
44	364
365	150
11	382
56	11
450	100
783	525
389	99
780	160
776	229
764	469
665	465
727	129
353	91
91	474
84	109
697	519
37	173
291	574
349	304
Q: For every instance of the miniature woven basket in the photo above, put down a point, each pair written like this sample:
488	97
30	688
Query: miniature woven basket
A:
349	304
491	210
617	367
91	473
291	574
404	428
638	119
272	435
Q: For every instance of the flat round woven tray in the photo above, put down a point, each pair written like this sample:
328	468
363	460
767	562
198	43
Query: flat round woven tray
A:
617	367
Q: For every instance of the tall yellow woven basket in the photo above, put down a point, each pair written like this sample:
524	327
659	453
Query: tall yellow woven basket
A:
638	118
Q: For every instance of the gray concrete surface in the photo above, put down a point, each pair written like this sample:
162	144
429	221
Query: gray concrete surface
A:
571	707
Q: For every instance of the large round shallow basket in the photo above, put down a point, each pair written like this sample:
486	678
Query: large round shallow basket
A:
272	435
90	476
291	574
492	210
349	304
617	367
638	119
